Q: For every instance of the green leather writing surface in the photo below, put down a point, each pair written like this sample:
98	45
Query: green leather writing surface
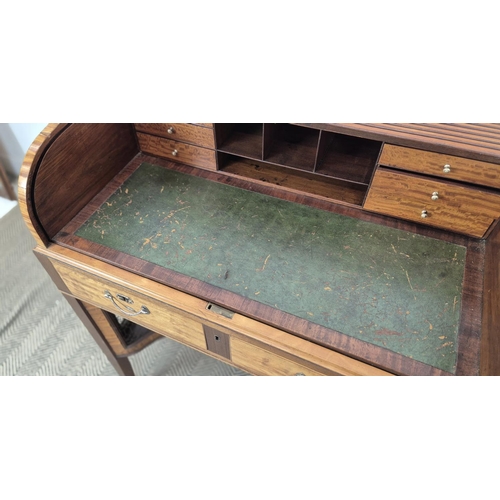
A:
385	286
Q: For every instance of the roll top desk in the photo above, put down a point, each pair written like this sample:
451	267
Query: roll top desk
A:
282	249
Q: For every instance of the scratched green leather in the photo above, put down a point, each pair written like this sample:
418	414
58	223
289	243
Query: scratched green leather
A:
385	286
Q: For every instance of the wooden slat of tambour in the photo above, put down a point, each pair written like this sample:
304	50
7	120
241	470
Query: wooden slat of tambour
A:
462	134
416	130
469	136
404	135
474	129
490	126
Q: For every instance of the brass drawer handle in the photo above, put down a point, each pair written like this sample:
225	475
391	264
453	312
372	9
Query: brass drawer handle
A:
447	169
170	130
424	214
128	311
175	152
435	196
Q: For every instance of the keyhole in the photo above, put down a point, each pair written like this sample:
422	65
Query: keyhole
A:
217	337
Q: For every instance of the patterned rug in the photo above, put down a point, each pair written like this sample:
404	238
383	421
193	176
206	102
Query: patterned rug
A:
41	335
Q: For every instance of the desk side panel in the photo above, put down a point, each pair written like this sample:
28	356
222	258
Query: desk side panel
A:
75	167
490	339
26	179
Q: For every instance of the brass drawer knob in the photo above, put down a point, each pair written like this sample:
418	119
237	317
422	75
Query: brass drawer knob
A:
435	196
175	152
447	169
424	214
170	130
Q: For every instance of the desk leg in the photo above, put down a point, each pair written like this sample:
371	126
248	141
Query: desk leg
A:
94	320
92	317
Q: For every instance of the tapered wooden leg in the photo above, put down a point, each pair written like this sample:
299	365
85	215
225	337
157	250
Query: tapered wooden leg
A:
91	318
96	322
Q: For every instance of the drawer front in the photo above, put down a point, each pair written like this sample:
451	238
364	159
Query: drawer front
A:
252	346
177	151
435	203
440	165
166	320
262	362
184	132
161	318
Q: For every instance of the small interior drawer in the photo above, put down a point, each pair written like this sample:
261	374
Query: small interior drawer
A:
177	151
184	132
159	317
436	203
441	165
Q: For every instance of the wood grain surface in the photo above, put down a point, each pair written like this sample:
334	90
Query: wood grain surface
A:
322	336
240	139
295	180
490	339
458	208
184	153
473	148
184	132
162	318
265	337
425	162
76	167
480	141
262	362
26	180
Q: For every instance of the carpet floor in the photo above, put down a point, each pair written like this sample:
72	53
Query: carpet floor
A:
41	335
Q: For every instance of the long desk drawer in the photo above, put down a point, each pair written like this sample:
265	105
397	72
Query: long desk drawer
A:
435	203
184	132
251	346
164	319
177	151
441	165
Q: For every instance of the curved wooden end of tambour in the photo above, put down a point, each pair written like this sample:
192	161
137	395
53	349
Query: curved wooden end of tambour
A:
26	177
